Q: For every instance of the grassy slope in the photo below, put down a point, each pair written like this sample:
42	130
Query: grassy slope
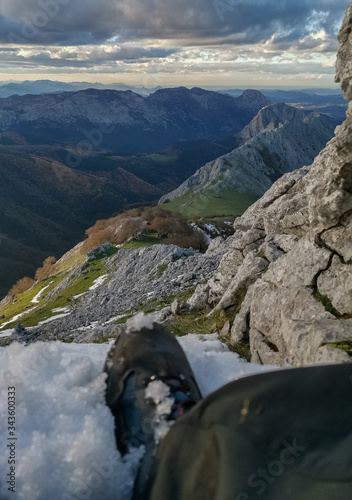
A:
212	203
23	302
43	310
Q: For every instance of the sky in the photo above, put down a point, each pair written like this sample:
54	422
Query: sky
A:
230	43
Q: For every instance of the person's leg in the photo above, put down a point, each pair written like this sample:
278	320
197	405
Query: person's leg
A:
275	436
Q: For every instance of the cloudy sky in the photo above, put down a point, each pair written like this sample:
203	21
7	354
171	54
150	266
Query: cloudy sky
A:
256	43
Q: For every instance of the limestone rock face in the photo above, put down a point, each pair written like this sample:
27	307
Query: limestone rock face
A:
291	255
344	63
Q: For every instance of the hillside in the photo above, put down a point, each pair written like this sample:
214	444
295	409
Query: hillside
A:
166	268
278	140
46	207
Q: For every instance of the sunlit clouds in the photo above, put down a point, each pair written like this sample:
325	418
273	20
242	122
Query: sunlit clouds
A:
164	42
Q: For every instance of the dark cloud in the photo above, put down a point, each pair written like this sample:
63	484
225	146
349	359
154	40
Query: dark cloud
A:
90	58
71	22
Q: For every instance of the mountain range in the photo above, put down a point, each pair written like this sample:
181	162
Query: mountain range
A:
327	102
49	86
126	122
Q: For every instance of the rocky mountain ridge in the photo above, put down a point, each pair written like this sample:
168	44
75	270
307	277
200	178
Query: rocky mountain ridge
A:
253	100
278	140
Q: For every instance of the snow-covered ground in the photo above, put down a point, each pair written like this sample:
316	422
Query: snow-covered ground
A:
80	295
65	447
213	364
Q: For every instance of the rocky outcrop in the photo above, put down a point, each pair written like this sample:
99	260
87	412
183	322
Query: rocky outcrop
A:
289	263
153	279
279	139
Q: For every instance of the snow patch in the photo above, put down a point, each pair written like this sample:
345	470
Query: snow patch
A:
140	321
61	309
6	333
79	295
98	282
88	327
65	432
18	316
213	364
159	393
94	324
115	318
35	299
53	318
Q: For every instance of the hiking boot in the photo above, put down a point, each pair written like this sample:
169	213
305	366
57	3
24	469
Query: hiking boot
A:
150	385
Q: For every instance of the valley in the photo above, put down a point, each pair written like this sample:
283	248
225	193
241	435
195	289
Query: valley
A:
62	180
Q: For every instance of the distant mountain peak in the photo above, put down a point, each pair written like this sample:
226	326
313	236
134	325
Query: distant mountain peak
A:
252	99
271	117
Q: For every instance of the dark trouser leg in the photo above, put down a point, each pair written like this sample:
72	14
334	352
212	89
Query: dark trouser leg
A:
281	435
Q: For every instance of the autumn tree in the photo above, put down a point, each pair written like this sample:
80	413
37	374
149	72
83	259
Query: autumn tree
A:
47	268
21	286
97	238
129	229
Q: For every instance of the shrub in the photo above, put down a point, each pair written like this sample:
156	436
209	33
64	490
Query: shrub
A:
172	228
98	238
47	269
21	286
129	229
